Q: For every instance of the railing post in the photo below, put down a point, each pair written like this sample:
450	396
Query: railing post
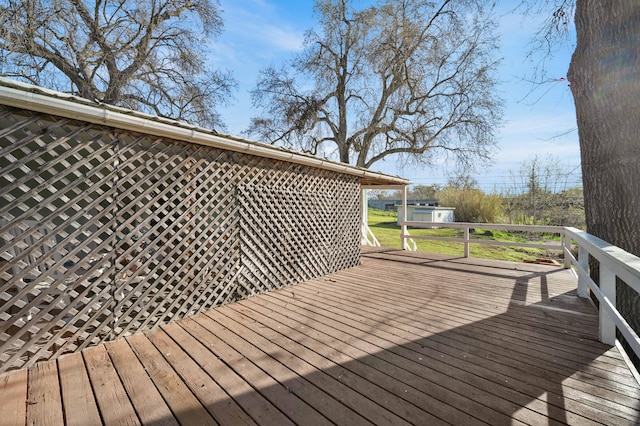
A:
466	241
583	263
608	288
403	227
566	246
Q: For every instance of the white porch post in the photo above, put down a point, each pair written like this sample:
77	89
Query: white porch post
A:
403	227
364	217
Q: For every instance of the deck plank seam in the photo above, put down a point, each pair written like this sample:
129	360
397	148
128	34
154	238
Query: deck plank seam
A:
293	331
408	385
381	349
443	318
477	288
189	332
267	312
325	299
411	360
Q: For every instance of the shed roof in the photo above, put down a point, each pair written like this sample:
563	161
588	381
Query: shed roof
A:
34	98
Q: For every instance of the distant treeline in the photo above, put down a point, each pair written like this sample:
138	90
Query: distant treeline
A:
532	207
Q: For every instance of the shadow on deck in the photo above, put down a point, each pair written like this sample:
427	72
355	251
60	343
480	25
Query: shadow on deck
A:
405	338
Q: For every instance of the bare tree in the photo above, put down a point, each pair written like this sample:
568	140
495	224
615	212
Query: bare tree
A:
147	55
544	192
404	77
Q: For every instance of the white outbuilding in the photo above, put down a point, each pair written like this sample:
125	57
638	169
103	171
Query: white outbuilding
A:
428	214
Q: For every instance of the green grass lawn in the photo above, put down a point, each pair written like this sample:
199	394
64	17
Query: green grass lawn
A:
384	226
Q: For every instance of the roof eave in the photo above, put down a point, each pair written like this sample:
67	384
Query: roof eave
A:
20	95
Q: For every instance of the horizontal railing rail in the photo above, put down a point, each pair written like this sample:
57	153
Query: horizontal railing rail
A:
467	226
614	263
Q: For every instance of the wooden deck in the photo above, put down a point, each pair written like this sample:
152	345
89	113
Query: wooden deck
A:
405	338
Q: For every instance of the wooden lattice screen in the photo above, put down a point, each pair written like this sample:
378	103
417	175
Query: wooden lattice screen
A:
105	232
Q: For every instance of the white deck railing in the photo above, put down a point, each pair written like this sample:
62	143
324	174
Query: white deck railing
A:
466	240
613	263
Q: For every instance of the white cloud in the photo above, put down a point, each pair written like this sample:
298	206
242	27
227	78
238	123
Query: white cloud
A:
257	33
256	27
282	38
539	125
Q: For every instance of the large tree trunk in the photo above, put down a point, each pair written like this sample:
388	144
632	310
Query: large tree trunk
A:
605	81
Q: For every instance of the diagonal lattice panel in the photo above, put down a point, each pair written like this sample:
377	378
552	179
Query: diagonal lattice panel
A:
190	228
105	232
57	189
346	245
275	238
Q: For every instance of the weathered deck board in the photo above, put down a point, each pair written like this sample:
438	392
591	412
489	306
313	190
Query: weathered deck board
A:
405	338
80	405
148	402
223	366
253	366
488	329
13	397
440	380
435	352
354	360
44	402
354	391
281	384
111	396
222	408
184	405
556	325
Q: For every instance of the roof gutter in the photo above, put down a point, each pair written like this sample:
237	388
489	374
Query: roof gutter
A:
82	109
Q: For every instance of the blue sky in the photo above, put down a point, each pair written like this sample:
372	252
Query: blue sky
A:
259	33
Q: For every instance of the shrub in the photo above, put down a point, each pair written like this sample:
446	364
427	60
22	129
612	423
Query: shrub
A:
472	204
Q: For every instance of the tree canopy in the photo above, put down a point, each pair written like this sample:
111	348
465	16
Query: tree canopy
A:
146	55
408	78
